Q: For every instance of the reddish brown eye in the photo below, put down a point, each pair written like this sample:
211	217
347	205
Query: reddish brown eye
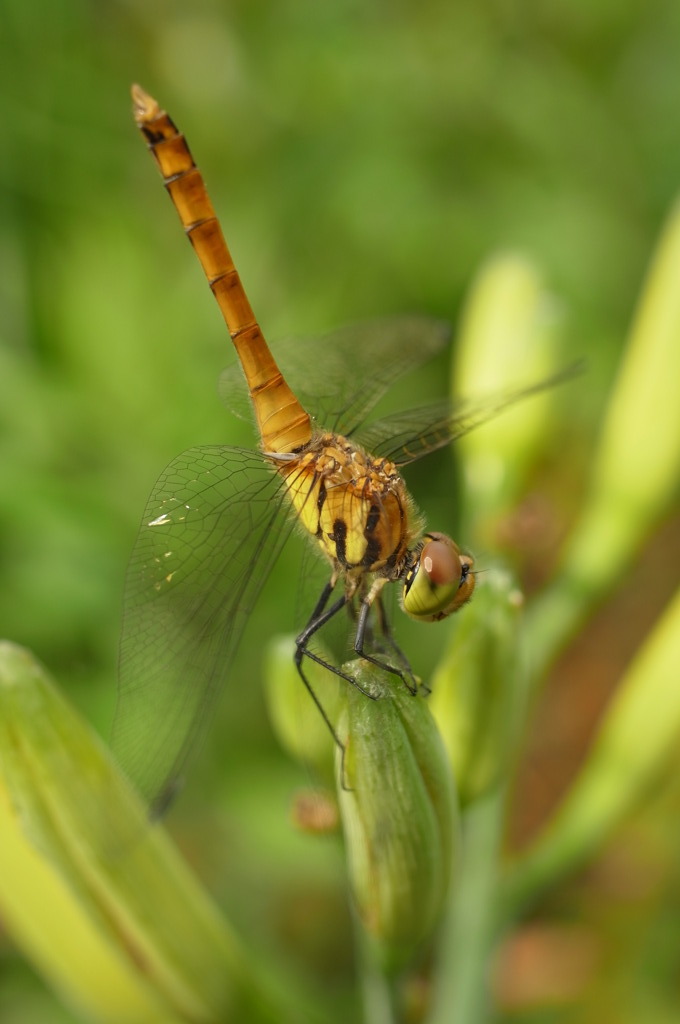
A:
441	563
441	581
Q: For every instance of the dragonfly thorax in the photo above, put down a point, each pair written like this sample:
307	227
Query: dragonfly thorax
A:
355	506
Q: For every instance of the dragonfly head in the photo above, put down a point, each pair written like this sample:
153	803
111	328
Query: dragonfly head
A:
438	581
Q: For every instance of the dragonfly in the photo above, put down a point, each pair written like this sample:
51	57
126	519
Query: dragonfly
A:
219	516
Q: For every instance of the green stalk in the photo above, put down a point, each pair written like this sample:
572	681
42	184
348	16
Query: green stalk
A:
376	987
469	932
482	683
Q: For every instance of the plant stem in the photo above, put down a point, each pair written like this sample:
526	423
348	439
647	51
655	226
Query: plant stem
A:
377	994
461	992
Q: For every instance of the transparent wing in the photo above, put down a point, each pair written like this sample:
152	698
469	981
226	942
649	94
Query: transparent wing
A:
339	377
408	436
212	530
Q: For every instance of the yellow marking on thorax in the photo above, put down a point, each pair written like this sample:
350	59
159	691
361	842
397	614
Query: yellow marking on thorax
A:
355	506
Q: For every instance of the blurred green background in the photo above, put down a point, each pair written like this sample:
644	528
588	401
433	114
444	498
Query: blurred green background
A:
364	159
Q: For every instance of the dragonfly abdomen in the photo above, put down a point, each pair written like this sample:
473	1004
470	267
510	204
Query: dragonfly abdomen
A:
283	424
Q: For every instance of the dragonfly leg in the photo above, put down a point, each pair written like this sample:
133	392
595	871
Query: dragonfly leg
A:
386	631
322	711
320	616
319	606
360	640
318	619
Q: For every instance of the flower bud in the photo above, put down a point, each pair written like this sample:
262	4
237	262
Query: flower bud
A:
96	897
475	688
398	810
507	340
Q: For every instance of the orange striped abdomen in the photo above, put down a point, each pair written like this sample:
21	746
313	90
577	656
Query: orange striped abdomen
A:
283	424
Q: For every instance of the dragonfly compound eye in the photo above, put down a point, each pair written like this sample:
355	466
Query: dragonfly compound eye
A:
440	581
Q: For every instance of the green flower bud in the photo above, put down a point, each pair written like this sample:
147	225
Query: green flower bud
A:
507	340
97	897
475	689
398	811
